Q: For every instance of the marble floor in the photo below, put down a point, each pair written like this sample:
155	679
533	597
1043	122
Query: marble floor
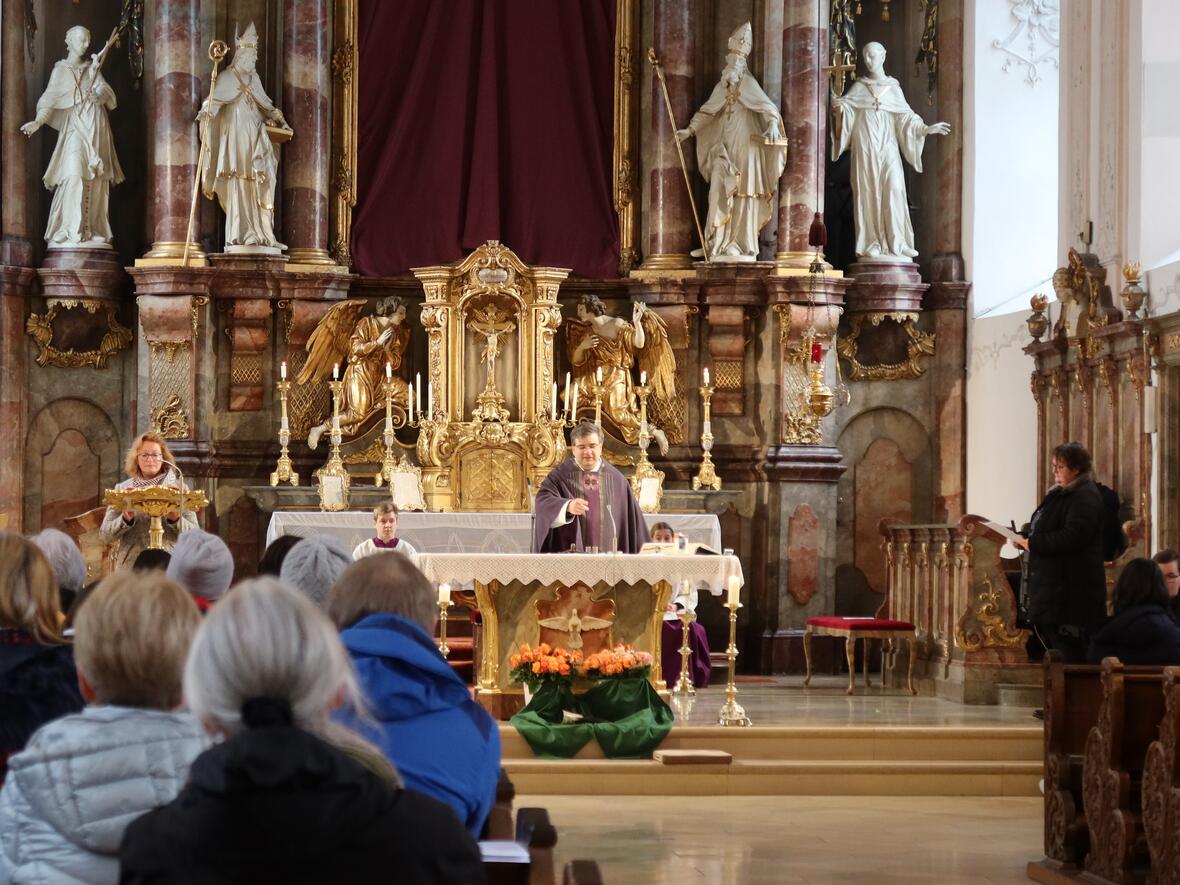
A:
798	839
782	700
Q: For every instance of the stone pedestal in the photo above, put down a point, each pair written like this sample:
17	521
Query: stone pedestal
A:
81	273
884	286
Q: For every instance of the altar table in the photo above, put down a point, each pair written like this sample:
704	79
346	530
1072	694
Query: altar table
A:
461	532
631	591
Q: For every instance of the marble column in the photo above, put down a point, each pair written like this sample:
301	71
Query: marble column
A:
174	96
947	261
671	229
306	88
801	191
15	248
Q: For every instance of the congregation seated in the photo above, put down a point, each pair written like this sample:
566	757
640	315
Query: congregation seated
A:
67	562
313	565
1169	562
280	800
276	551
202	564
442	742
1141	630
37	678
81	779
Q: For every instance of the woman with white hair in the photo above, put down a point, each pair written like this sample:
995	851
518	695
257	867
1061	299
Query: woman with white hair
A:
280	800
65	557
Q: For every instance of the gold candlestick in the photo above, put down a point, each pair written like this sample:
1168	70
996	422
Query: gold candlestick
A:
598	404
283	471
732	713
706	477
443	648
388	462
333	478
684	684
643	391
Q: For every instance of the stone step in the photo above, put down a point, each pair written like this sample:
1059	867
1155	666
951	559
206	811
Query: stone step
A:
1010	694
641	777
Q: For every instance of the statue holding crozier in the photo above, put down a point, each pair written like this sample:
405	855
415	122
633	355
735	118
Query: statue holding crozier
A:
586	505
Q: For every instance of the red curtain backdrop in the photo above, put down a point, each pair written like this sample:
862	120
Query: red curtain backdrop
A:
485	120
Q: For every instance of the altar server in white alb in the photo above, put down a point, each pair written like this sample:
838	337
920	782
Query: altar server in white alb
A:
386	540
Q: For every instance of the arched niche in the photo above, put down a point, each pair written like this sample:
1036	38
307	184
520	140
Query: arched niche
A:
72	453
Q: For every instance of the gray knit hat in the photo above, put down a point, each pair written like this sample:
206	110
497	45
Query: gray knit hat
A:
313	565
64	556
202	564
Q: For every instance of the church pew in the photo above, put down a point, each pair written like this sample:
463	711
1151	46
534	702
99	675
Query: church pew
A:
1128	722
1073	698
499	823
1161	789
581	872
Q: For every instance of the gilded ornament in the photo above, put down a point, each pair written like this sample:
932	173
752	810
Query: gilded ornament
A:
170	420
39	327
920	344
992	629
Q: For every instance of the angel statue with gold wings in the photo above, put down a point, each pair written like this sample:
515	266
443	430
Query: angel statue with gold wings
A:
596	340
366	345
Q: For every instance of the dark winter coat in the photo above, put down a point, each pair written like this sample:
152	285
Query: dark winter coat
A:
276	804
38	683
1066	578
1141	634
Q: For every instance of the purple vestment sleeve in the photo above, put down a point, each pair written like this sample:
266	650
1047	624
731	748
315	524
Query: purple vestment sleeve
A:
620	513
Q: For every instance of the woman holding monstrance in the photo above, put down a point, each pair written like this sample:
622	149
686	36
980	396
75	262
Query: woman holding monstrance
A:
148	463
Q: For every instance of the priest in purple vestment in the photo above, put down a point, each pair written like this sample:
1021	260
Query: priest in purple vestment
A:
587	504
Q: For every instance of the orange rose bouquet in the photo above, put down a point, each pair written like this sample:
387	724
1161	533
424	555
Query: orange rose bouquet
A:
536	666
620	662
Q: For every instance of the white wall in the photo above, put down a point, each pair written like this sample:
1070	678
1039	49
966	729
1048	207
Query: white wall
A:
1010	220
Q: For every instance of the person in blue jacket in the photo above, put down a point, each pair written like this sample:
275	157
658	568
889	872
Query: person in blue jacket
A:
442	742
1141	631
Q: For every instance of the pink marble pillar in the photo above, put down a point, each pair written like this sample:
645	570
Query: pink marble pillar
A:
671	230
174	96
14	222
947	262
801	190
306	89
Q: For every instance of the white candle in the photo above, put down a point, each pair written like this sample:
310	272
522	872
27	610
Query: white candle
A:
733	590
388	371
708	428
430	399
444	593
283	425
283	370
643	378
706	376
418	390
409	407
388	420
598	374
574	407
565	399
336	423
335	371
553	407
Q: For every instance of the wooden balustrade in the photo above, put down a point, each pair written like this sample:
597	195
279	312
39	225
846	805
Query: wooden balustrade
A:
949	581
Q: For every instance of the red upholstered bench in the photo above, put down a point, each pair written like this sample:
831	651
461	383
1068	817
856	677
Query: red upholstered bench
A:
853	629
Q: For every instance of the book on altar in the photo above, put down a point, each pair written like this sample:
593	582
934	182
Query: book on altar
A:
671	549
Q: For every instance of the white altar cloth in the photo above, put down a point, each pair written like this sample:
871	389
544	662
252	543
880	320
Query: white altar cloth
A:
705	572
461	532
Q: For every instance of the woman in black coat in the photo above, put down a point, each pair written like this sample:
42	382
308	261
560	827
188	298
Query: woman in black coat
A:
1066	579
1141	631
289	796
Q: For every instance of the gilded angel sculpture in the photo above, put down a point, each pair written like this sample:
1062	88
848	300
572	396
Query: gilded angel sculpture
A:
596	340
366	345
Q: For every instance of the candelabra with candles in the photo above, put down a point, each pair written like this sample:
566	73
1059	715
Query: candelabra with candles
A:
706	477
332	478
732	713
643	391
444	602
283	471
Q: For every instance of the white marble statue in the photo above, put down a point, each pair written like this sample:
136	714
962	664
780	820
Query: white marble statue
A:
84	165
874	119
240	162
741	152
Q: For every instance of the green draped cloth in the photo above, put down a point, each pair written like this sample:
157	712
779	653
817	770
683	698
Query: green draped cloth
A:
626	716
